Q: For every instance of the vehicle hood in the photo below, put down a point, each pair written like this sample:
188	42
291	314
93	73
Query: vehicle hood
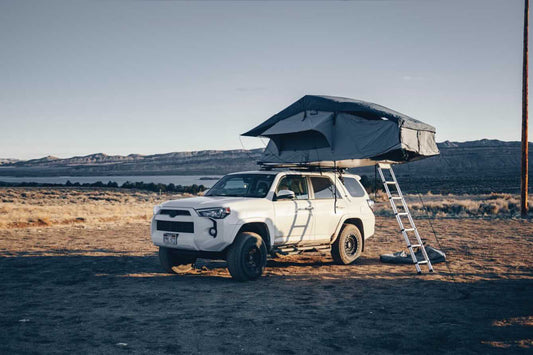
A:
204	202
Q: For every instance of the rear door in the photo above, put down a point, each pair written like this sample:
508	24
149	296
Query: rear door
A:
323	203
293	217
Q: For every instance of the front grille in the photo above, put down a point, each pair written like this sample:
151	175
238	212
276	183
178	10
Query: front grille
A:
174	213
169	226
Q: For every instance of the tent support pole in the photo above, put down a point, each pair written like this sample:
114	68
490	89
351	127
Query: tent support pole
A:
335	184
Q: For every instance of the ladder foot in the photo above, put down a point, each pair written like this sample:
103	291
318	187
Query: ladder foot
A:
419	272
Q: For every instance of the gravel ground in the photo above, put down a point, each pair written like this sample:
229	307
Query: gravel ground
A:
99	289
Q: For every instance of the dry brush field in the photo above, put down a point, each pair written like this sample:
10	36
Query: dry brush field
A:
80	275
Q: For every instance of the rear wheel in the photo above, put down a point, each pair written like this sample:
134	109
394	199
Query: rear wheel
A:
247	257
348	246
169	259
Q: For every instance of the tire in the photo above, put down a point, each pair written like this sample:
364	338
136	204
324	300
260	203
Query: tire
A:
247	257
348	246
168	259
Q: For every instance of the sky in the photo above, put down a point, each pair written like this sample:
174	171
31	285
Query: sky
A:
147	77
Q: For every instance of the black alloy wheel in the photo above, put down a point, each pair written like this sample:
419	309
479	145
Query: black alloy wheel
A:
247	257
348	246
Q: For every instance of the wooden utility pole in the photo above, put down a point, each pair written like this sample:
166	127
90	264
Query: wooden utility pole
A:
524	182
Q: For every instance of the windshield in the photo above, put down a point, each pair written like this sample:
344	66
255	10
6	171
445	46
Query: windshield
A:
242	185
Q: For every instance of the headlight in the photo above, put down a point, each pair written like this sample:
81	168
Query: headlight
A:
216	212
157	208
370	203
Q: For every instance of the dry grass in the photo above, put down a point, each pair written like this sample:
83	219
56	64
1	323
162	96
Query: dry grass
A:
41	207
46	207
483	205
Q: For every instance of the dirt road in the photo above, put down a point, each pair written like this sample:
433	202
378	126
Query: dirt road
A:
98	289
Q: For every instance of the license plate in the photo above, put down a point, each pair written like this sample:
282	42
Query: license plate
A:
170	238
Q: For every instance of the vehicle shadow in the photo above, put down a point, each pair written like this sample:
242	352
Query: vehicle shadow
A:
89	304
314	260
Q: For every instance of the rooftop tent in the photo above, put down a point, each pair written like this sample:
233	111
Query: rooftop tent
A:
327	131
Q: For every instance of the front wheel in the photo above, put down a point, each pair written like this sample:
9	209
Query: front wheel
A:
348	246
247	257
168	259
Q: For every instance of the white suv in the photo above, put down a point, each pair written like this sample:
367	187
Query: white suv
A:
247	215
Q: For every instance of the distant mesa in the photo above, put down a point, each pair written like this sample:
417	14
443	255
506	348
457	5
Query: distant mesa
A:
8	161
44	160
447	144
485	156
204	162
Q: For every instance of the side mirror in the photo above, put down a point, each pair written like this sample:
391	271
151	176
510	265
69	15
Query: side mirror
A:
285	194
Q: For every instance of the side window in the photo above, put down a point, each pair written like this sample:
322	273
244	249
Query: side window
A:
354	187
295	183
323	187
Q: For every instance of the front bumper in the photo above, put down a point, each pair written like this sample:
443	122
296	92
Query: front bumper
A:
200	239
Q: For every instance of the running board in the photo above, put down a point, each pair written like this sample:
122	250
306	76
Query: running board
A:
298	249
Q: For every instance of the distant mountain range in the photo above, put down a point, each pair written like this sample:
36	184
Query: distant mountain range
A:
487	160
485	157
180	163
7	161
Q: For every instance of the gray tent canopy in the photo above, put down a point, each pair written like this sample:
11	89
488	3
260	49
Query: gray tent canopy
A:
332	131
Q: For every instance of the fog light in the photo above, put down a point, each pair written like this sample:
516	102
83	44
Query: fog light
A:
212	232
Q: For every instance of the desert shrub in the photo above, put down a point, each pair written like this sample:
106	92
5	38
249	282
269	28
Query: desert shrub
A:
488	209
380	196
476	206
371	185
497	196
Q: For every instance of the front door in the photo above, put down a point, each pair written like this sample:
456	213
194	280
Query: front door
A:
294	217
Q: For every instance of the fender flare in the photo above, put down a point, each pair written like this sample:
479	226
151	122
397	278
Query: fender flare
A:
254	222
358	223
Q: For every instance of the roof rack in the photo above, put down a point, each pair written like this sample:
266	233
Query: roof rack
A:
298	166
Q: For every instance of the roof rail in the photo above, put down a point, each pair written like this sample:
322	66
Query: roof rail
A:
297	166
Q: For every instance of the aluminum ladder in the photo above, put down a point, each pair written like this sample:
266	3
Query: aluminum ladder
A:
405	213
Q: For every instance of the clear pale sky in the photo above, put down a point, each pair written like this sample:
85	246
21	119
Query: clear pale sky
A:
121	77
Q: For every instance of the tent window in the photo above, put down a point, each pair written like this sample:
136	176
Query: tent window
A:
323	188
354	187
307	140
295	183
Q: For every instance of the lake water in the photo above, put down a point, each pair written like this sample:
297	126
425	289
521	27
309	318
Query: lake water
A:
184	180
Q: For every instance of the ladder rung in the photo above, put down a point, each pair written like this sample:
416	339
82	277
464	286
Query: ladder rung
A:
414	245
390	182
402	214
422	262
396	197
408	229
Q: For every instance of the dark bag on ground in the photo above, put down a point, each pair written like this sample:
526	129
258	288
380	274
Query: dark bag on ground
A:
401	257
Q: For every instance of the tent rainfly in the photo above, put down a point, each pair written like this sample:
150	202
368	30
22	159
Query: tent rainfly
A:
329	131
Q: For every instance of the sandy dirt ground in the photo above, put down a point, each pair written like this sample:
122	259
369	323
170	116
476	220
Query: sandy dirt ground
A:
98	289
